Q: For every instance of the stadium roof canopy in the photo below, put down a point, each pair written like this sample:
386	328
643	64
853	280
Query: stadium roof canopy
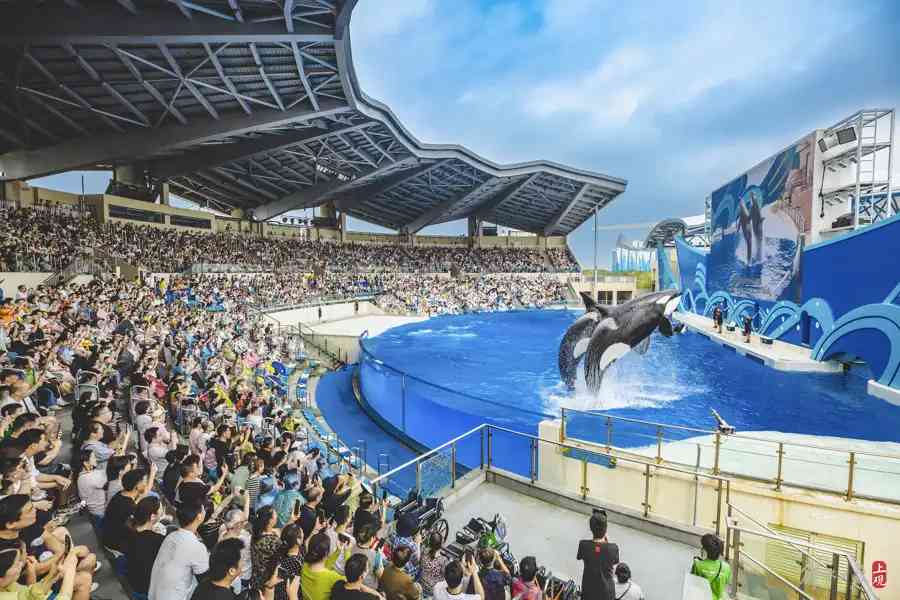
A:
249	104
692	229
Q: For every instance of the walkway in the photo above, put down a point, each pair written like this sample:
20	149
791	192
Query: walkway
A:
550	533
780	356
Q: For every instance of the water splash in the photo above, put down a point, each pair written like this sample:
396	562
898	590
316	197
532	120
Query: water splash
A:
634	381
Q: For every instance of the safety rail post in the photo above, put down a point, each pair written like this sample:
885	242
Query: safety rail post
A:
609	434
490	448
850	475
481	448
848	591
719	507
779	477
532	466
453	465
646	502
584	476
835	568
659	441
736	564
418	477
716	470
562	426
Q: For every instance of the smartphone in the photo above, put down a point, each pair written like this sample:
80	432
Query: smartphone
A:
345	538
297	506
68	546
384	494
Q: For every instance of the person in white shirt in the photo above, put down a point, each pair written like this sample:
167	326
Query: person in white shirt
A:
456	577
92	486
625	588
157	449
182	558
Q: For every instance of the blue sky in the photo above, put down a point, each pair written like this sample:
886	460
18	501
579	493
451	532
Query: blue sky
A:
676	97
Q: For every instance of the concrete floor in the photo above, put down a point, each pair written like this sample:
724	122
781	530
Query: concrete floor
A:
551	534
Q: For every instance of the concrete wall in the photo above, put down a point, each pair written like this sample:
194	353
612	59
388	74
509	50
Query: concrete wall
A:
330	312
672	496
346	347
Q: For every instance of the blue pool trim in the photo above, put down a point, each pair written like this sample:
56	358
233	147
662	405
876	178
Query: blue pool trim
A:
380	421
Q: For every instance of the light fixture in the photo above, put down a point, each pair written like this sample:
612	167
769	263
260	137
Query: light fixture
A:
837	138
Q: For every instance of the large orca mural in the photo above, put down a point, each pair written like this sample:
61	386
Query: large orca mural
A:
757	225
849	308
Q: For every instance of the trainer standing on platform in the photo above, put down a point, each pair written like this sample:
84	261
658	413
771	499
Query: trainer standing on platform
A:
717	318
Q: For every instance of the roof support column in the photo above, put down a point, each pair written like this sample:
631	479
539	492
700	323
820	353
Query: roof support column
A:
474	232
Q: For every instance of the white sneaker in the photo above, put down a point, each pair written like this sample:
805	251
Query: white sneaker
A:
94	587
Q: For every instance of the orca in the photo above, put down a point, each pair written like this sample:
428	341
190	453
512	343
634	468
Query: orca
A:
746	229
756	221
606	333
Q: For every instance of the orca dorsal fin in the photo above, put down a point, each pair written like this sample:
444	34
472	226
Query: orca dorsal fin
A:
591	305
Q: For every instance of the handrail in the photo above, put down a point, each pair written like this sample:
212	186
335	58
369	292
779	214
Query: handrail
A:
489	426
779	577
780	538
429	454
785	540
738	436
861	578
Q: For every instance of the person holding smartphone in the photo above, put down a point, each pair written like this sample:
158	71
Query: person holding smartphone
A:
457	575
599	557
290	558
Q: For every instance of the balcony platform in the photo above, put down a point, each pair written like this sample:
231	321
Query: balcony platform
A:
550	532
780	356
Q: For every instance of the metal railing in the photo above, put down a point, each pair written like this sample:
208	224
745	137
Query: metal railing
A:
84	265
851	473
315	301
811	571
437	472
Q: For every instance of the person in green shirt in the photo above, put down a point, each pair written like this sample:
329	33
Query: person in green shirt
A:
316	579
711	567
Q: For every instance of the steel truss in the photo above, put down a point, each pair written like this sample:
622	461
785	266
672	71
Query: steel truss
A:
249	104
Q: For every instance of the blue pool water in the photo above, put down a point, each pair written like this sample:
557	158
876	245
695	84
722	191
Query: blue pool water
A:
501	368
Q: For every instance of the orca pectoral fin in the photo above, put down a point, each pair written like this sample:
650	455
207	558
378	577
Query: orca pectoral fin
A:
665	327
642	346
581	347
600	355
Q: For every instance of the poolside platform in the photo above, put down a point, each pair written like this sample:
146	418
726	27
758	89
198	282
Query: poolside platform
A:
779	355
374	324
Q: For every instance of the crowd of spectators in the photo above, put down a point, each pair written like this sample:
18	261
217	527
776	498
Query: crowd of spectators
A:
191	466
46	239
563	260
429	296
394	292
